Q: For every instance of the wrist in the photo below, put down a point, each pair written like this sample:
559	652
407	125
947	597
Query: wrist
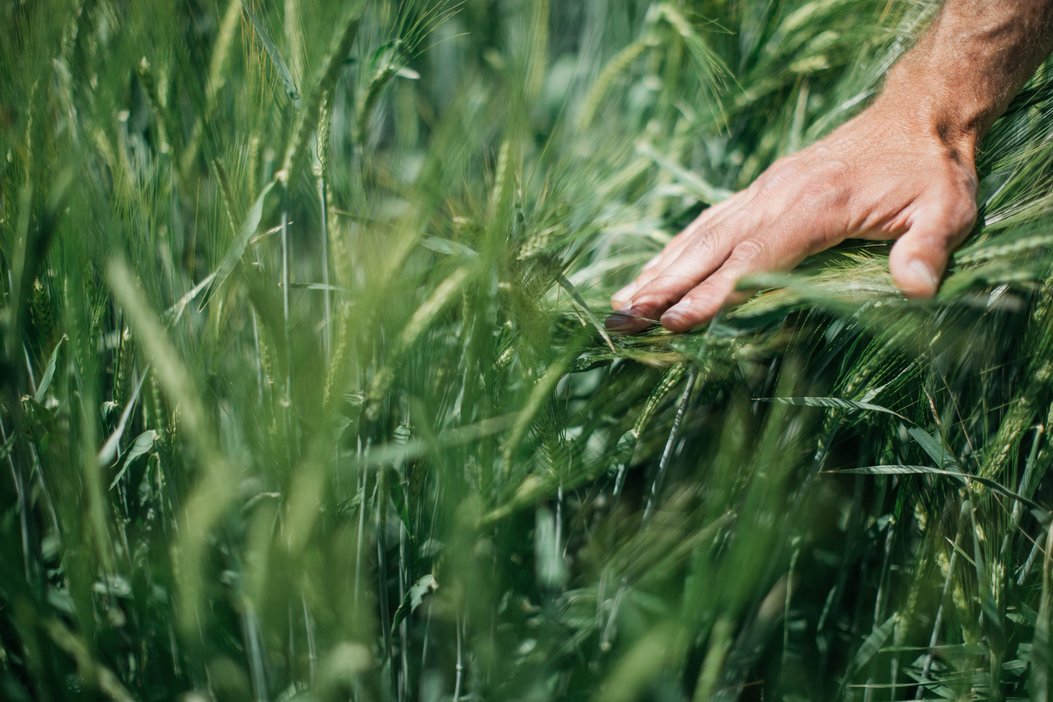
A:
921	98
964	70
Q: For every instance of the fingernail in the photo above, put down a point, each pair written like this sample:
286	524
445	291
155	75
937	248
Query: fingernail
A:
620	321
923	275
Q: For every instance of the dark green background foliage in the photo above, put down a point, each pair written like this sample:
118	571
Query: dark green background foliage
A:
305	393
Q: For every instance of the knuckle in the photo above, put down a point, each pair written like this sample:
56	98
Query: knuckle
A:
813	195
701	249
780	174
959	202
826	187
748	251
967	212
959	212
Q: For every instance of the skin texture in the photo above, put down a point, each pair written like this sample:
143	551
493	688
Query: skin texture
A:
902	170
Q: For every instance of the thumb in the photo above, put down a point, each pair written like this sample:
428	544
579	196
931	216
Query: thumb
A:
917	261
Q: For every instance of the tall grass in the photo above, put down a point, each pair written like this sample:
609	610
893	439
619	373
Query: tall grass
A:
306	394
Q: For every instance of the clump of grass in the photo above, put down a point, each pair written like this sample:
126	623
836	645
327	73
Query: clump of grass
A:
305	394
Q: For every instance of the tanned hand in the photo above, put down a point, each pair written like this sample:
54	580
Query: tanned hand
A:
904	169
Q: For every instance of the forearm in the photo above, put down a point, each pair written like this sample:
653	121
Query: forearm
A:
966	68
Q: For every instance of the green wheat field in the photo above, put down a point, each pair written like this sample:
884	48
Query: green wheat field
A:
306	393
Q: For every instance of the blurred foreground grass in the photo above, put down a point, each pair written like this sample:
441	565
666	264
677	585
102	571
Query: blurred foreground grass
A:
305	393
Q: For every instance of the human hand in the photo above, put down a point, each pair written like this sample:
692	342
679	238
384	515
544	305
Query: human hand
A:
883	175
904	169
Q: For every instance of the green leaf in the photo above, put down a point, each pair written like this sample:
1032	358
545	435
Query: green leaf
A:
833	403
284	74
934	448
1042	513
415	597
872	645
141	445
238	246
448	247
49	374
